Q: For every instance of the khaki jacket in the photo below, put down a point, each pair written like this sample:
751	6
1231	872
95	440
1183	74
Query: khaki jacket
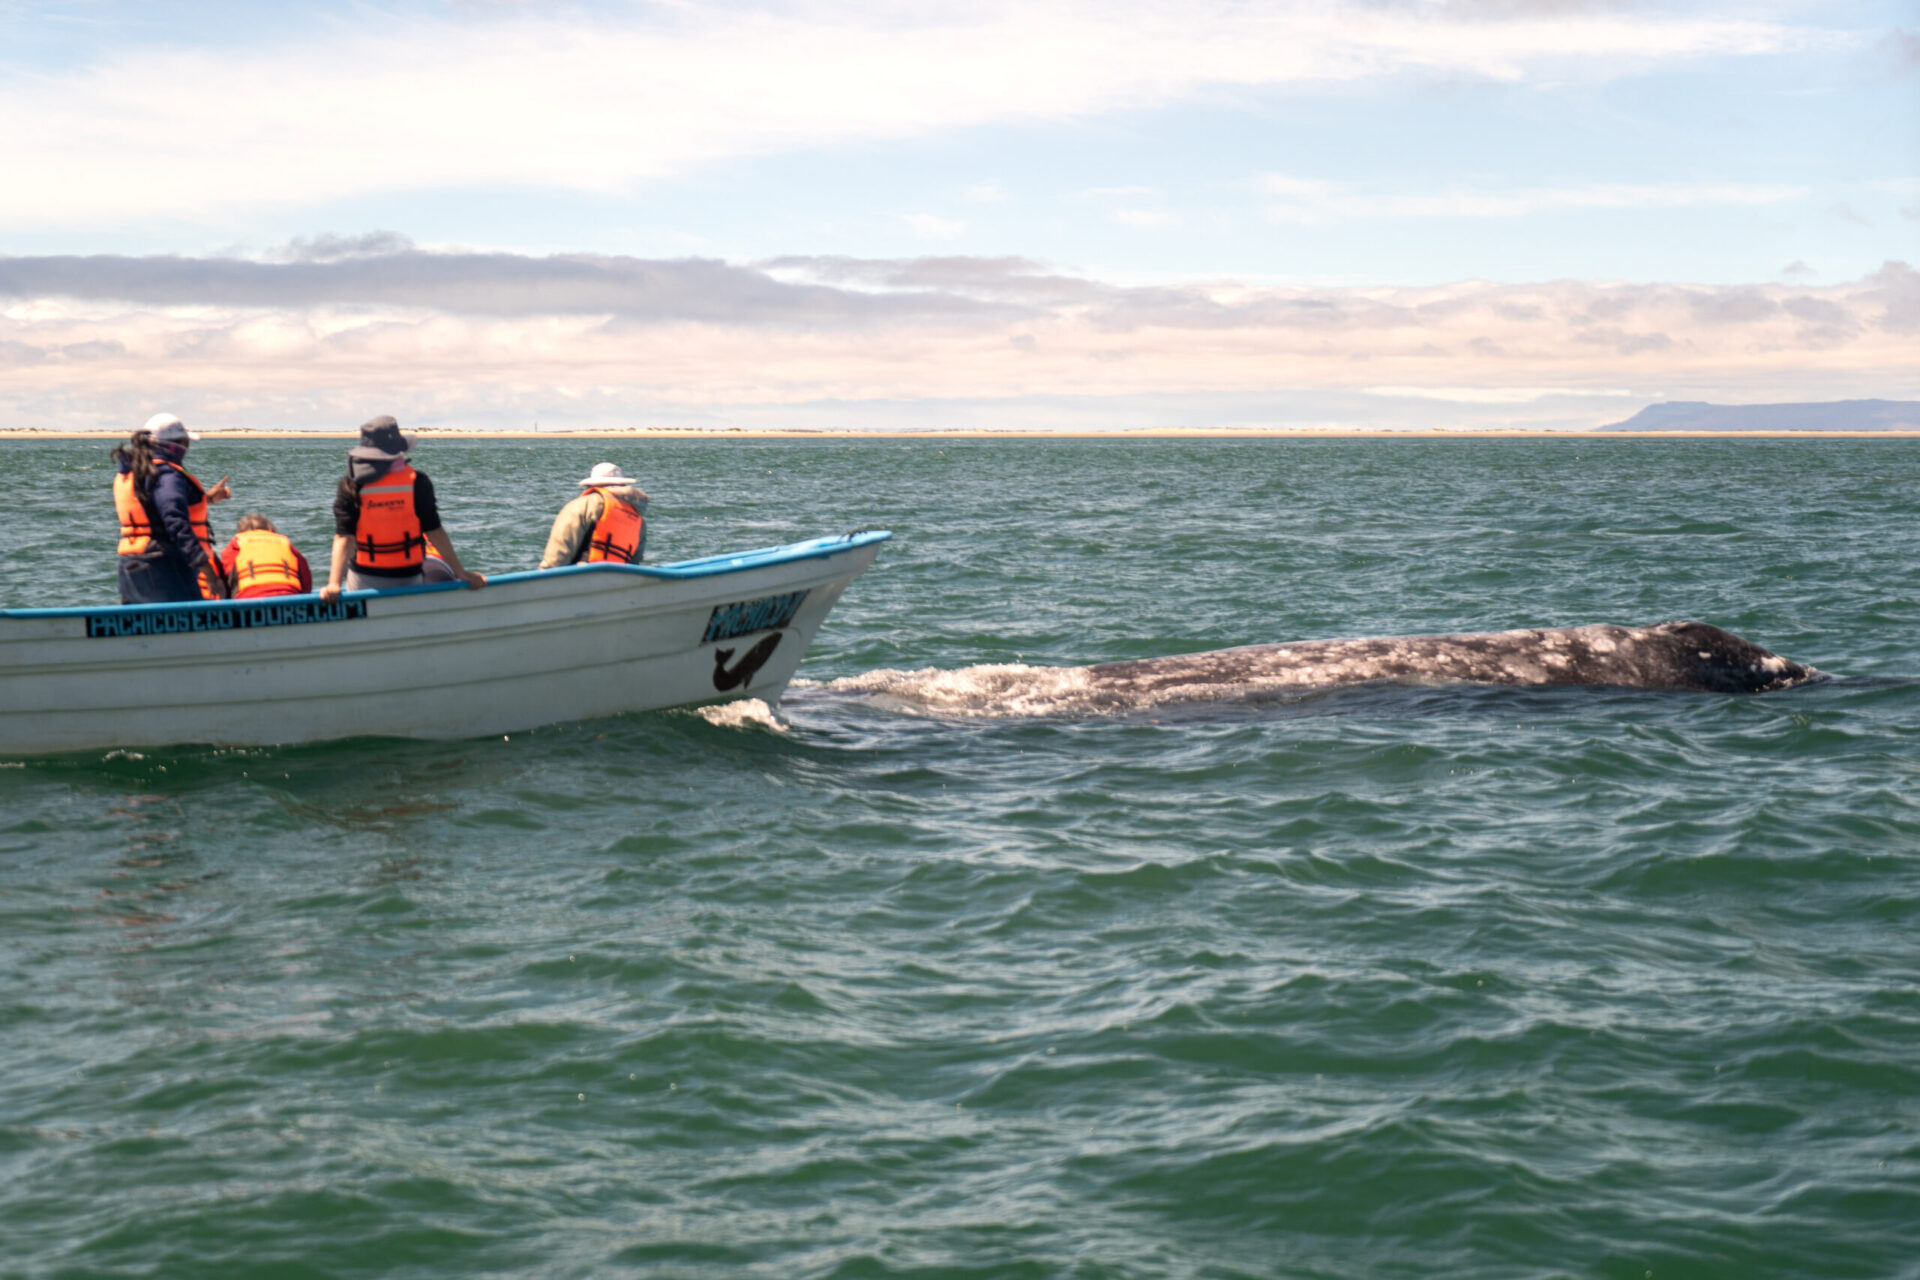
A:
573	527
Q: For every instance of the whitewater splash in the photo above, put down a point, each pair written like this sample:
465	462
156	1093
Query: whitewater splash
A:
1670	656
742	714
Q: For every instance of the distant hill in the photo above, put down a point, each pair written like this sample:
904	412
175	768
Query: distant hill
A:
1834	415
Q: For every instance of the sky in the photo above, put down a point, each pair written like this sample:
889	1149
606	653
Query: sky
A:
1035	215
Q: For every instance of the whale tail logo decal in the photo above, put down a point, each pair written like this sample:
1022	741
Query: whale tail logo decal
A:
748	666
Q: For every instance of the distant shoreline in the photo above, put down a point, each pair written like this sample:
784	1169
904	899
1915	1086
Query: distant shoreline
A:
1145	433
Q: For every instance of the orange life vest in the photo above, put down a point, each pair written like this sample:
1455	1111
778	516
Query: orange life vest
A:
387	534
616	537
264	565
137	523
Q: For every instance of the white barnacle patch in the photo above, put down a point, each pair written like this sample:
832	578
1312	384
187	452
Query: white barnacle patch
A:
1602	644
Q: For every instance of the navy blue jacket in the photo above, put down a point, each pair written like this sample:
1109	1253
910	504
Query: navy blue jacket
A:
168	500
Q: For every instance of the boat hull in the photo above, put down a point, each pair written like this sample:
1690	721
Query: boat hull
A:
429	662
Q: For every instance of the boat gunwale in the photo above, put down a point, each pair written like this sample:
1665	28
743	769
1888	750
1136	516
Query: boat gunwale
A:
713	566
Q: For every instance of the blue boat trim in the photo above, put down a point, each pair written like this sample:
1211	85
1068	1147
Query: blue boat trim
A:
703	567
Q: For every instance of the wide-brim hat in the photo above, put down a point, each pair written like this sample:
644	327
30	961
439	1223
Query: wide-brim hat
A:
381	438
606	475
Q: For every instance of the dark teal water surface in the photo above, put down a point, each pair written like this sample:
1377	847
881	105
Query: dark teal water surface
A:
1400	981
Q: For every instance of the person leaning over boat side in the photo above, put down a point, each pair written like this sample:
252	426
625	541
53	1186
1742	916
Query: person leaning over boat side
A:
261	561
166	542
608	522
384	517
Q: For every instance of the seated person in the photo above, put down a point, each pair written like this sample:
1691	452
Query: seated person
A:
608	522
385	516
262	562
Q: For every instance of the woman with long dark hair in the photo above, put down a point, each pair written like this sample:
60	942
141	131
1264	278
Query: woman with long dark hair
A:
166	542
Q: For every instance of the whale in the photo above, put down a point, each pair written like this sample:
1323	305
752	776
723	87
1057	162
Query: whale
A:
1691	657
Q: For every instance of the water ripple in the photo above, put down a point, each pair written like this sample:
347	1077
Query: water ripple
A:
929	972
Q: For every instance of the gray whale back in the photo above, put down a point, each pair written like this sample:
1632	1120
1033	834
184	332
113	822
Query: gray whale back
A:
1688	656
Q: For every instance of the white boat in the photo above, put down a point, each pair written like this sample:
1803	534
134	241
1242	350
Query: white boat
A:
437	661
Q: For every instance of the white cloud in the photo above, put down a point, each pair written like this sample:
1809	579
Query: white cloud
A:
985	193
494	337
1491	395
1309	200
1146	219
932	227
603	104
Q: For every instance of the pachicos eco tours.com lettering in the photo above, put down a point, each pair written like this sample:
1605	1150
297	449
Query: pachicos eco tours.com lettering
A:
233	618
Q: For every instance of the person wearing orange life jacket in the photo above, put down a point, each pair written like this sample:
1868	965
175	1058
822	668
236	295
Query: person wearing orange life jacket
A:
166	541
385	517
606	523
261	561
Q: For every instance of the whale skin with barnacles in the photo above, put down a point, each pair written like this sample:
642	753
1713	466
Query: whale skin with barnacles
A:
1681	656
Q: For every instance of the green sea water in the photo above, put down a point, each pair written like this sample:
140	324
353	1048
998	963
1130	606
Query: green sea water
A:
922	979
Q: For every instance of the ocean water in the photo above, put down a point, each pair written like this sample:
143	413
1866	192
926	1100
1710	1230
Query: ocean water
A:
927	976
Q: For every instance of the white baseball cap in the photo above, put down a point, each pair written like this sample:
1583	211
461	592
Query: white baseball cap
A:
168	429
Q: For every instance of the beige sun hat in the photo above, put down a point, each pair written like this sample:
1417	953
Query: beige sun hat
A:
606	475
